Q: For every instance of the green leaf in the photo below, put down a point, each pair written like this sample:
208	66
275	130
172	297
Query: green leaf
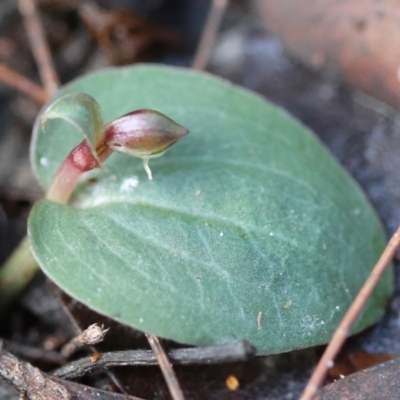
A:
249	230
79	110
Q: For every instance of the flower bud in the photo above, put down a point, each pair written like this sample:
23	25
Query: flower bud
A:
143	133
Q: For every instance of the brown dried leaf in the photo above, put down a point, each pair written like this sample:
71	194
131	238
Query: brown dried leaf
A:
356	39
379	382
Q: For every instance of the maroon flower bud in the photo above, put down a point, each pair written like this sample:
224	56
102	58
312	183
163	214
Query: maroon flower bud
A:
143	133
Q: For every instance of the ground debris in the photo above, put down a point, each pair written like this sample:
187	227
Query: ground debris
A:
379	382
29	380
34	385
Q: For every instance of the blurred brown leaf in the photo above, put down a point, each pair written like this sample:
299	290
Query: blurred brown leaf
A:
355	39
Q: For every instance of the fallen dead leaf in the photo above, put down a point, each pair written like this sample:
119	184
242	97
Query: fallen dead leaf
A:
356	40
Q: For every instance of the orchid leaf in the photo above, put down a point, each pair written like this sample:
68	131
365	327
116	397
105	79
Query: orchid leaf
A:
79	110
249	230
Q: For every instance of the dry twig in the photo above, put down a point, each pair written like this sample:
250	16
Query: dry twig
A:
39	46
23	84
209	33
348	320
166	368
92	335
231	352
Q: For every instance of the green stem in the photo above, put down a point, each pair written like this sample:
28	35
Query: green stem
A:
16	273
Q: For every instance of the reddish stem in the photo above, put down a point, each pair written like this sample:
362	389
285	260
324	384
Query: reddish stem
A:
80	160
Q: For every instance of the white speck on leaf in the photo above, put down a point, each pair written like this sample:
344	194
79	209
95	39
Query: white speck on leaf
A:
221	234
129	183
43	161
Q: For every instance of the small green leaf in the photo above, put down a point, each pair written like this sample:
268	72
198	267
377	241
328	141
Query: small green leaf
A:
81	111
250	230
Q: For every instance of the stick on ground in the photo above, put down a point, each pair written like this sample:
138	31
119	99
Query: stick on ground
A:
166	368
226	353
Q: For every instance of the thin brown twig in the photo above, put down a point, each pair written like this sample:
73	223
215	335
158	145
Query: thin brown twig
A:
40	48
348	320
23	84
209	34
166	368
